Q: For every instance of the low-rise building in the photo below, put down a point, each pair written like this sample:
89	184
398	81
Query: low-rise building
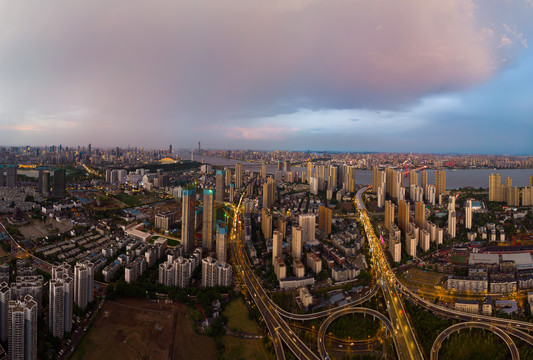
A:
469	306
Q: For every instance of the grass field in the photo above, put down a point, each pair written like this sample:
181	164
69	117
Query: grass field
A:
136	329
474	344
237	314
236	348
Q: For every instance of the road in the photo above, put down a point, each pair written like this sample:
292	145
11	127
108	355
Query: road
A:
403	333
513	327
515	355
354	310
279	329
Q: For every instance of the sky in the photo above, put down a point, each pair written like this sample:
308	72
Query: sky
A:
338	75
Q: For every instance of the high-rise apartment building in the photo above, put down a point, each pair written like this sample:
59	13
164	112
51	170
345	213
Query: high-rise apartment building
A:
208	217
389	214
268	193
420	215
333	173
324	219
468	214
452	223
187	219
83	283
227	177
22	329
307	223
219	191
348	178
309	171
221	244
403	215
11	180
209	272
440	181
413	178
495	188
5	297
297	242
266	223
423	179
276	245
59	183
238	176
60	305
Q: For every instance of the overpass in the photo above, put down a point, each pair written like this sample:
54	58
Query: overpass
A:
515	355
354	310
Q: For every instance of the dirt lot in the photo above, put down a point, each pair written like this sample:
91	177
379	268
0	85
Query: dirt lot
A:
136	329
39	229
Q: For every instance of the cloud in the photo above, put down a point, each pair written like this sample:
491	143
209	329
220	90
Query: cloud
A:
188	63
516	34
505	41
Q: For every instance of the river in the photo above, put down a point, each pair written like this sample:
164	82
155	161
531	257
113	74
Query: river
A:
454	178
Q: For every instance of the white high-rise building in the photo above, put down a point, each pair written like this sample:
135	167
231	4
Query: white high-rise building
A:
410	244
452	222
83	283
307	223
60	305
468	214
22	329
209	272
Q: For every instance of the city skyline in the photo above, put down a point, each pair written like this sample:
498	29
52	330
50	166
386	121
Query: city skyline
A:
346	76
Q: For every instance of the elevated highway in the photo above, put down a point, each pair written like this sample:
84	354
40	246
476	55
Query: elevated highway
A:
353	310
515	355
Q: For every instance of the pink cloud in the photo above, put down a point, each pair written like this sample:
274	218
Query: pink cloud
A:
259	133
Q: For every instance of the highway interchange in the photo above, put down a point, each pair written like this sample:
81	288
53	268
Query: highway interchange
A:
398	324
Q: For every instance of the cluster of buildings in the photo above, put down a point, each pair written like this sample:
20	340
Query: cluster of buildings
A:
178	268
508	193
495	274
20	304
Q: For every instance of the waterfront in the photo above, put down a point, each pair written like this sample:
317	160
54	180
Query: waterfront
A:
455	179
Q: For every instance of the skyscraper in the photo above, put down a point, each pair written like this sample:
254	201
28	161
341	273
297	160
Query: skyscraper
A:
59	183
276	245
219	191
324	219
11	176
375	179
307	223
452	222
22	329
420	214
333	172
403	215
413	178
424	179
44	183
83	283
296	244
468	214
268	193
227	177
309	171
60	305
221	243
440	181
495	187
187	219
348	178
208	218
263	171
266	223
389	214
5	297
238	176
